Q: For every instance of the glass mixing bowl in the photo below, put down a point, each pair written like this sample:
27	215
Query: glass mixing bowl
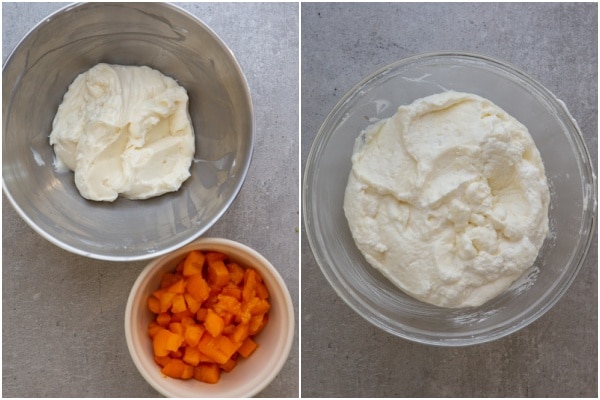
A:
568	168
35	78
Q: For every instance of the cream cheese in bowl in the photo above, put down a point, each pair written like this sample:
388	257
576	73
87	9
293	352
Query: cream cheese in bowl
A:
448	199
124	130
165	38
462	207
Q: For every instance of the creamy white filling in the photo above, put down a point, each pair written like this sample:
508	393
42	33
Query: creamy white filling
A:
448	199
124	130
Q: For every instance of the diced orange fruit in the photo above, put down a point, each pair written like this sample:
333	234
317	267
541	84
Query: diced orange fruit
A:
198	288
207	312
178	303
192	304
193	263
214	323
207	372
192	335
236	273
174	368
165	341
218	275
229	365
163	319
154	305
248	346
177	287
191	356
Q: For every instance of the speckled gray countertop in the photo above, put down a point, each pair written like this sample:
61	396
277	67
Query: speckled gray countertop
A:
63	314
342	354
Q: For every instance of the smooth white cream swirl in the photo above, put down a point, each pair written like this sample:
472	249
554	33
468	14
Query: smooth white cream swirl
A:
124	130
448	199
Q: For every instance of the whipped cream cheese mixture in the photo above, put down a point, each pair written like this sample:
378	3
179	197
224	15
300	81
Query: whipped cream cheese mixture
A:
448	199
124	130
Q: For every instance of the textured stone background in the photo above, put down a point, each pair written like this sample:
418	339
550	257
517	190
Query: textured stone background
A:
62	314
62	331
342	354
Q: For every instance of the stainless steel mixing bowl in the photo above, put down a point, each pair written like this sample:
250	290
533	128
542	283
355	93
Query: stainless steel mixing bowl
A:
36	76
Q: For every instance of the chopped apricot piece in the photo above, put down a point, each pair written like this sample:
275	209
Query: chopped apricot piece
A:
240	333
249	289
212	256
228	319
193	263
153	327
178	317
178	303
218	275
165	341
229	365
162	361
207	312
154	305
232	290
214	323
226	346
261	307
227	304
208	347
198	288
229	329
163	319
188	372
177	287
176	354
192	304
174	368
188	320
206	359
191	356
236	273
247	307
166	301
209	373
201	314
192	334
261	291
257	323
176	327
248	346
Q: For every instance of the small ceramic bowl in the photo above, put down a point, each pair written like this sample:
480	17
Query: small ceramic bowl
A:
252	374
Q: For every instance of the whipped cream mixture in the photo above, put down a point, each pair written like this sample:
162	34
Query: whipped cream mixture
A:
448	199
124	130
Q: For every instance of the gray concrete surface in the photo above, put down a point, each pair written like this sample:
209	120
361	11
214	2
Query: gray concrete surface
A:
62	332
62	321
342	354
